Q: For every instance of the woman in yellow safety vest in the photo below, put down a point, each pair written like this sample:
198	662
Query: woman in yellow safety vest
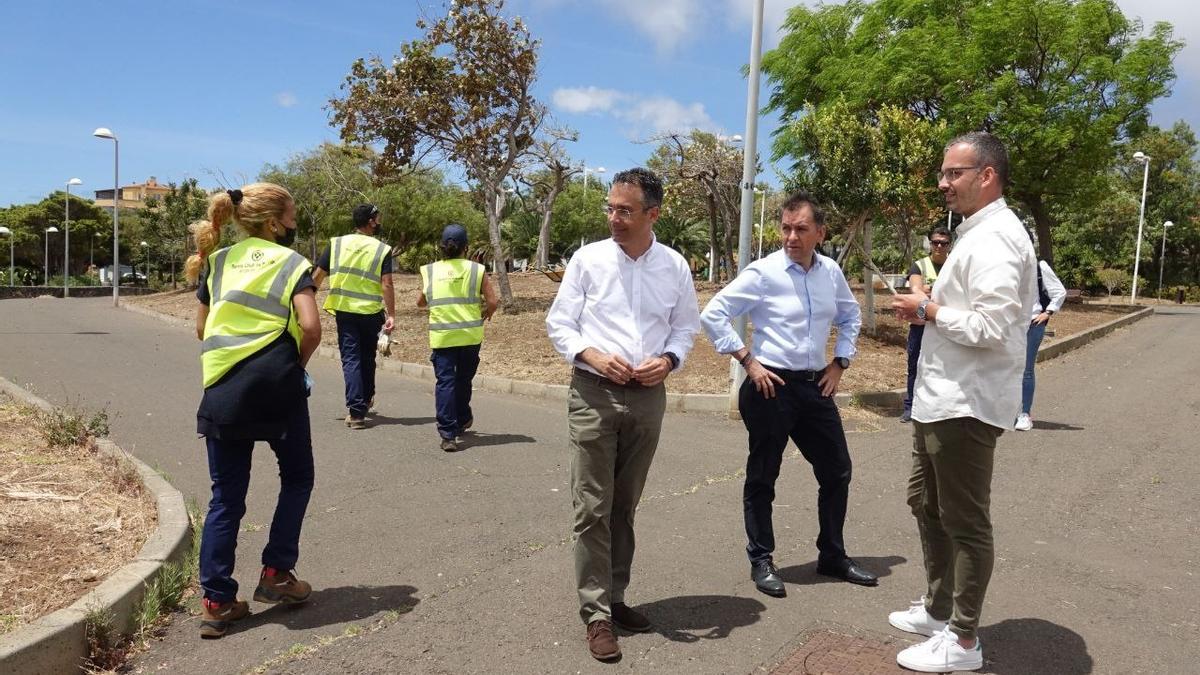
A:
460	298
259	325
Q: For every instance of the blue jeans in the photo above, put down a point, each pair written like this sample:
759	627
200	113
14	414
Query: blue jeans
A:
915	333
454	368
1034	340
357	337
229	468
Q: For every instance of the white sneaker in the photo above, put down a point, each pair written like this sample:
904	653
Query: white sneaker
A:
1024	423
916	620
941	654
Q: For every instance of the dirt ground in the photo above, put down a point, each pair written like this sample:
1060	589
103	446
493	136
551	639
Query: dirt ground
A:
515	343
68	518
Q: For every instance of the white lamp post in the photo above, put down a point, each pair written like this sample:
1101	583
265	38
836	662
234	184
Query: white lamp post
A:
1162	257
103	132
1137	255
146	263
92	249
67	236
11	237
762	218
46	260
586	171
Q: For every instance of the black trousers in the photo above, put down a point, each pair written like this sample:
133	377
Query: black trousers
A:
812	421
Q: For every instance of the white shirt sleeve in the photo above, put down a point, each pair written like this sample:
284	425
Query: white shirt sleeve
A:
734	300
562	321
684	319
1054	287
848	318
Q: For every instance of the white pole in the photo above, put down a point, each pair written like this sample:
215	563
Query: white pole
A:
749	161
116	267
67	239
1137	255
762	221
1162	258
46	261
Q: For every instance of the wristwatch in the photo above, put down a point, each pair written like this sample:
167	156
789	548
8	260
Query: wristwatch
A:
921	308
842	362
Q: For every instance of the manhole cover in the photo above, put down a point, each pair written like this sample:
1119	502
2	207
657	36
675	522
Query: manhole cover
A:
828	653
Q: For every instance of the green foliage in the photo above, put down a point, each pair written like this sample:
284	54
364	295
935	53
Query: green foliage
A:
66	427
414	257
1059	81
1114	279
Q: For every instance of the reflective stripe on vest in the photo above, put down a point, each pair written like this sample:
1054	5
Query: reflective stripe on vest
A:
928	271
453	292
250	303
355	283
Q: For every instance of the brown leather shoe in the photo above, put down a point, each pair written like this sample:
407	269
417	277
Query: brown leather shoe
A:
215	617
601	641
626	618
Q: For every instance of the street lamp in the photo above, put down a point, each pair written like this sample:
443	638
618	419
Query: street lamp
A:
1142	158
1162	257
587	170
92	250
67	236
46	260
11	238
104	132
762	218
146	262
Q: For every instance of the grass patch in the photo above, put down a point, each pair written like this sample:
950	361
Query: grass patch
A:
67	427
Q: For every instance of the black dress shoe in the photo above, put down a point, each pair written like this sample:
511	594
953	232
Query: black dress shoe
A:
627	618
766	579
848	570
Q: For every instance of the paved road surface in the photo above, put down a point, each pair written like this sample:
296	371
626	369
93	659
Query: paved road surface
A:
433	562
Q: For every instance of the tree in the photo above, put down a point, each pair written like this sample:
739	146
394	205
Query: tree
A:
1061	82
546	179
165	222
1114	279
460	93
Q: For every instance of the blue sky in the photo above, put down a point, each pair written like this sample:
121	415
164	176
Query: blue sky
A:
220	87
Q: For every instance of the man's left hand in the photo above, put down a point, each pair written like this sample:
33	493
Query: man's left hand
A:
906	306
652	371
830	380
388	324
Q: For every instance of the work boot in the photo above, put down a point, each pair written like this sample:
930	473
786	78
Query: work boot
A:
449	445
601	642
216	617
356	422
280	586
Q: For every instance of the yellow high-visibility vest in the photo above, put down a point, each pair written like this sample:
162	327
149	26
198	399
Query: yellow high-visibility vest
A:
454	291
250	286
355	284
928	271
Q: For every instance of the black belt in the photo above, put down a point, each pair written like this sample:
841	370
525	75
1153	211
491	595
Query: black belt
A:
796	375
600	379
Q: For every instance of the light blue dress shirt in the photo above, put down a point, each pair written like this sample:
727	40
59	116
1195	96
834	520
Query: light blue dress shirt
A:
792	311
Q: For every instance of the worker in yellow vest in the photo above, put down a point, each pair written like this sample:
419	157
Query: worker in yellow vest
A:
460	297
921	276
363	301
259	325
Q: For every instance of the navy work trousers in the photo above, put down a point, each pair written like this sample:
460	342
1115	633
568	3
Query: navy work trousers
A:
357	336
229	468
454	368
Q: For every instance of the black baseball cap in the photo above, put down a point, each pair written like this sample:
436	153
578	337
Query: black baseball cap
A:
363	213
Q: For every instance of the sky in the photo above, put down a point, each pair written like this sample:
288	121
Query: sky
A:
216	89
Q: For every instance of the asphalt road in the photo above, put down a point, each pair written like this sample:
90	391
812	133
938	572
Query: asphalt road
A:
425	561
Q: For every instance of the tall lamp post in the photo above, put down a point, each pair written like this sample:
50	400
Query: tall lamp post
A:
11	237
1162	257
92	249
46	260
104	132
762	218
146	262
67	236
1142	158
586	171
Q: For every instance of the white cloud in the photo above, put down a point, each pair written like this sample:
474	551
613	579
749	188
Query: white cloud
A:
664	22
659	114
286	99
1186	24
586	99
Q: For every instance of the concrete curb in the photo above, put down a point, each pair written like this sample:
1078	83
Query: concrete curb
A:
678	402
56	643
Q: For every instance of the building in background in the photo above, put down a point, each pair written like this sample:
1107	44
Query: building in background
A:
133	196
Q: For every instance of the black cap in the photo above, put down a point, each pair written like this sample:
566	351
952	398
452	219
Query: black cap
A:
454	233
363	213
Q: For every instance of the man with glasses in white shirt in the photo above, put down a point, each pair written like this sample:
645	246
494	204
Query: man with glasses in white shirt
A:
793	297
968	391
624	318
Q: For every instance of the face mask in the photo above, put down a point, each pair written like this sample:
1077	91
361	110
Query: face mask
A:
287	238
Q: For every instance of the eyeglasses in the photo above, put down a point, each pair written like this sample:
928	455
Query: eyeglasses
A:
954	173
939	243
622	213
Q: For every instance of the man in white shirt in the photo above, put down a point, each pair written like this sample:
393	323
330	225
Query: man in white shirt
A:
625	317
793	297
967	393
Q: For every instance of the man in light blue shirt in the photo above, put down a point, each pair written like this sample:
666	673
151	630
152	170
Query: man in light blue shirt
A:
792	297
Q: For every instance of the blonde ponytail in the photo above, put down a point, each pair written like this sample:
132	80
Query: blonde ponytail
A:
258	204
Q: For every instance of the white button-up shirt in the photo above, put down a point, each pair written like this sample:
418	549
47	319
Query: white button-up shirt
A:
791	309
633	308
973	355
1054	288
